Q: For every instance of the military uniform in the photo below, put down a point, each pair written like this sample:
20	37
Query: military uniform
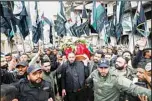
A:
108	88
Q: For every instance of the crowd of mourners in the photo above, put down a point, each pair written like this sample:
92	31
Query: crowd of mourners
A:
110	74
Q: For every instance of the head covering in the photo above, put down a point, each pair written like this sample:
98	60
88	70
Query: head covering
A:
33	68
23	63
148	66
103	63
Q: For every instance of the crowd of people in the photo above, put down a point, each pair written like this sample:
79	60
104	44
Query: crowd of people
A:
110	74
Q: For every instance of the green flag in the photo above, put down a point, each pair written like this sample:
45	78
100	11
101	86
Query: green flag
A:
98	16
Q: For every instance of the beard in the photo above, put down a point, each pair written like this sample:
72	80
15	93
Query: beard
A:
95	60
119	67
37	82
47	72
4	66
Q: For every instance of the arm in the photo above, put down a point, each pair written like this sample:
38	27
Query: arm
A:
89	80
63	78
33	61
126	85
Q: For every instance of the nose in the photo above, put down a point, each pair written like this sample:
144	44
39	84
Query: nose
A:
19	69
103	70
137	74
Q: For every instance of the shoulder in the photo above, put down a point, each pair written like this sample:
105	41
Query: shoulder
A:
113	73
94	73
46	83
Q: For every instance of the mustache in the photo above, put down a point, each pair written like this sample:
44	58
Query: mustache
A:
38	78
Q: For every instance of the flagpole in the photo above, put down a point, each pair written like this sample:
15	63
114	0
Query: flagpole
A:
15	35
133	31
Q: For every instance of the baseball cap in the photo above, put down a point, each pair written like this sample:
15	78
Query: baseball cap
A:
33	68
103	63
23	63
148	66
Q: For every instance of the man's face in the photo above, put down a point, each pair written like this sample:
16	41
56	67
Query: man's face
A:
71	57
24	58
21	70
127	55
48	52
120	63
8	58
3	61
119	52
108	57
13	63
46	67
97	57
35	77
140	74
104	50
109	51
103	71
55	51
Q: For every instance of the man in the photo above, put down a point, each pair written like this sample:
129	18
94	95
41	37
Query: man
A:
24	57
53	59
143	55
8	57
8	93
47	74
34	88
127	54
108	86
144	75
94	64
122	68
6	76
21	70
73	78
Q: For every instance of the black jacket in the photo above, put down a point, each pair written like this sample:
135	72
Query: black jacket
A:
53	61
66	78
29	92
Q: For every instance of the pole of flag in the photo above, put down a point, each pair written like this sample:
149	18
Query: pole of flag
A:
22	42
132	23
14	34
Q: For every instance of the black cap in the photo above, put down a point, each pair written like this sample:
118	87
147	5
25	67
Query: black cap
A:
103	63
23	63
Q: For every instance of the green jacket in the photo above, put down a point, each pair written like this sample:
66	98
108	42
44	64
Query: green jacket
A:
50	78
109	88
